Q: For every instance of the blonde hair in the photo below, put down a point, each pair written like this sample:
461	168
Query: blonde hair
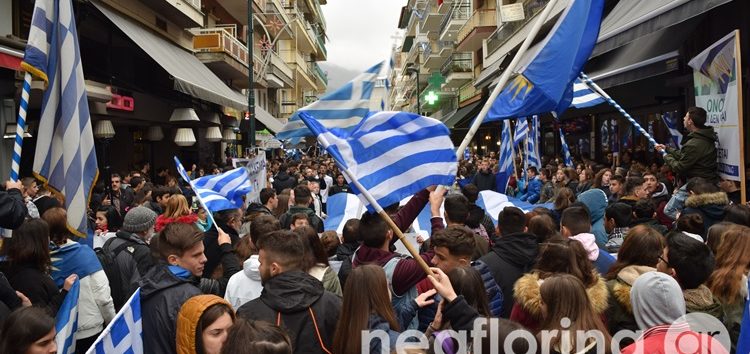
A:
177	206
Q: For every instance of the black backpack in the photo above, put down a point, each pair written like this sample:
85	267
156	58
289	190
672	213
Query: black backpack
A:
107	259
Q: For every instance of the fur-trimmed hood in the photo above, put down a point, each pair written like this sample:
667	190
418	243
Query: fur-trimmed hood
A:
701	299
621	286
705	199
526	292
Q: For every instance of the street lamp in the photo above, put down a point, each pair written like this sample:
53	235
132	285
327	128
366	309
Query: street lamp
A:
411	68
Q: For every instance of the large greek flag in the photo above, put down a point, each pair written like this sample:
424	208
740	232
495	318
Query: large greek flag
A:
391	154
66	321
583	96
343	108
124	335
220	192
65	157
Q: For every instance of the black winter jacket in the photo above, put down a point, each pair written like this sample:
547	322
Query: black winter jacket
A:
211	247
511	257
131	263
282	181
12	209
294	297
162	296
36	285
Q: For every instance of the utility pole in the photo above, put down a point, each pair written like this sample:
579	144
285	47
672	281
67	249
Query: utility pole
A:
250	138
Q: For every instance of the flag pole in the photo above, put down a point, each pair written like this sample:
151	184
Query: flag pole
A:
20	128
370	199
622	111
187	179
504	78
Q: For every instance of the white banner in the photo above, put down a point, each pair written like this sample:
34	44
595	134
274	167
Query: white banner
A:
256	168
716	90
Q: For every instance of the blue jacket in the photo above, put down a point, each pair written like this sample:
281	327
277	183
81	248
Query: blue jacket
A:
596	201
532	191
603	262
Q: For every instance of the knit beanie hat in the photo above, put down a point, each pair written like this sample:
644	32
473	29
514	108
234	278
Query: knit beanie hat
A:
138	219
657	300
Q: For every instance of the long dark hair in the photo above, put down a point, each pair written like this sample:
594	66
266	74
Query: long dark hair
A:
29	245
256	337
23	327
642	246
468	282
315	252
565	256
365	293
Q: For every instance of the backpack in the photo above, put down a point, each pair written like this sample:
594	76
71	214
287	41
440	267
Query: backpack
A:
107	259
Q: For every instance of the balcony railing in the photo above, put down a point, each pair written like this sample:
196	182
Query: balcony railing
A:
457	13
319	71
480	18
458	63
531	8
467	91
217	40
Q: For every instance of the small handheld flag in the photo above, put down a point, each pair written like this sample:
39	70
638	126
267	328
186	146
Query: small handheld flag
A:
124	335
66	321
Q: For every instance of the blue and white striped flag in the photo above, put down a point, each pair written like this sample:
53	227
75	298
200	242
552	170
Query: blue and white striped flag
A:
566	150
422	225
584	96
505	159
220	192
66	321
340	208
521	132
671	123
343	108
65	157
124	335
493	203
391	154
533	145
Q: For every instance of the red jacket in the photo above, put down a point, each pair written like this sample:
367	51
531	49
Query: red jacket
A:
658	340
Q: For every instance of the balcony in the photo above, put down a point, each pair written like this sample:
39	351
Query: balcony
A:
276	9
183	13
278	73
431	18
321	75
302	30
288	108
436	53
321	52
223	53
420	44
302	75
238	9
467	92
453	21
458	70
476	29
508	30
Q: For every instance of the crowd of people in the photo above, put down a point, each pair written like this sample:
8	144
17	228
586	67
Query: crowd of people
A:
614	249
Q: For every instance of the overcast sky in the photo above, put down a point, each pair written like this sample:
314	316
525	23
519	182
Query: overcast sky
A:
359	33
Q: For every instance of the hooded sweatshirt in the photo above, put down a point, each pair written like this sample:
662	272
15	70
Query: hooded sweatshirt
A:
188	318
298	303
620	311
511	257
656	299
601	260
245	286
596	201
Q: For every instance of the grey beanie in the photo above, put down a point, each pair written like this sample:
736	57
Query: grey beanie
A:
657	300
138	219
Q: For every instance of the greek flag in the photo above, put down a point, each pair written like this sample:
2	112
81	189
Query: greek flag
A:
422	225
65	156
671	123
125	333
66	321
343	108
391	154
220	192
583	96
340	208
493	203
522	131
505	162
743	344
533	146
566	151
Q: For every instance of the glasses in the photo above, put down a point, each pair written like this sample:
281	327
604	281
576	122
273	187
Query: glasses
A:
664	260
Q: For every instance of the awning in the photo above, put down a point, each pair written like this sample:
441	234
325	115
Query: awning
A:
190	75
10	58
268	120
469	110
633	19
489	73
650	55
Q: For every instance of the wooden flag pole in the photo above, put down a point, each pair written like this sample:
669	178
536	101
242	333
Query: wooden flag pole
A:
505	77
